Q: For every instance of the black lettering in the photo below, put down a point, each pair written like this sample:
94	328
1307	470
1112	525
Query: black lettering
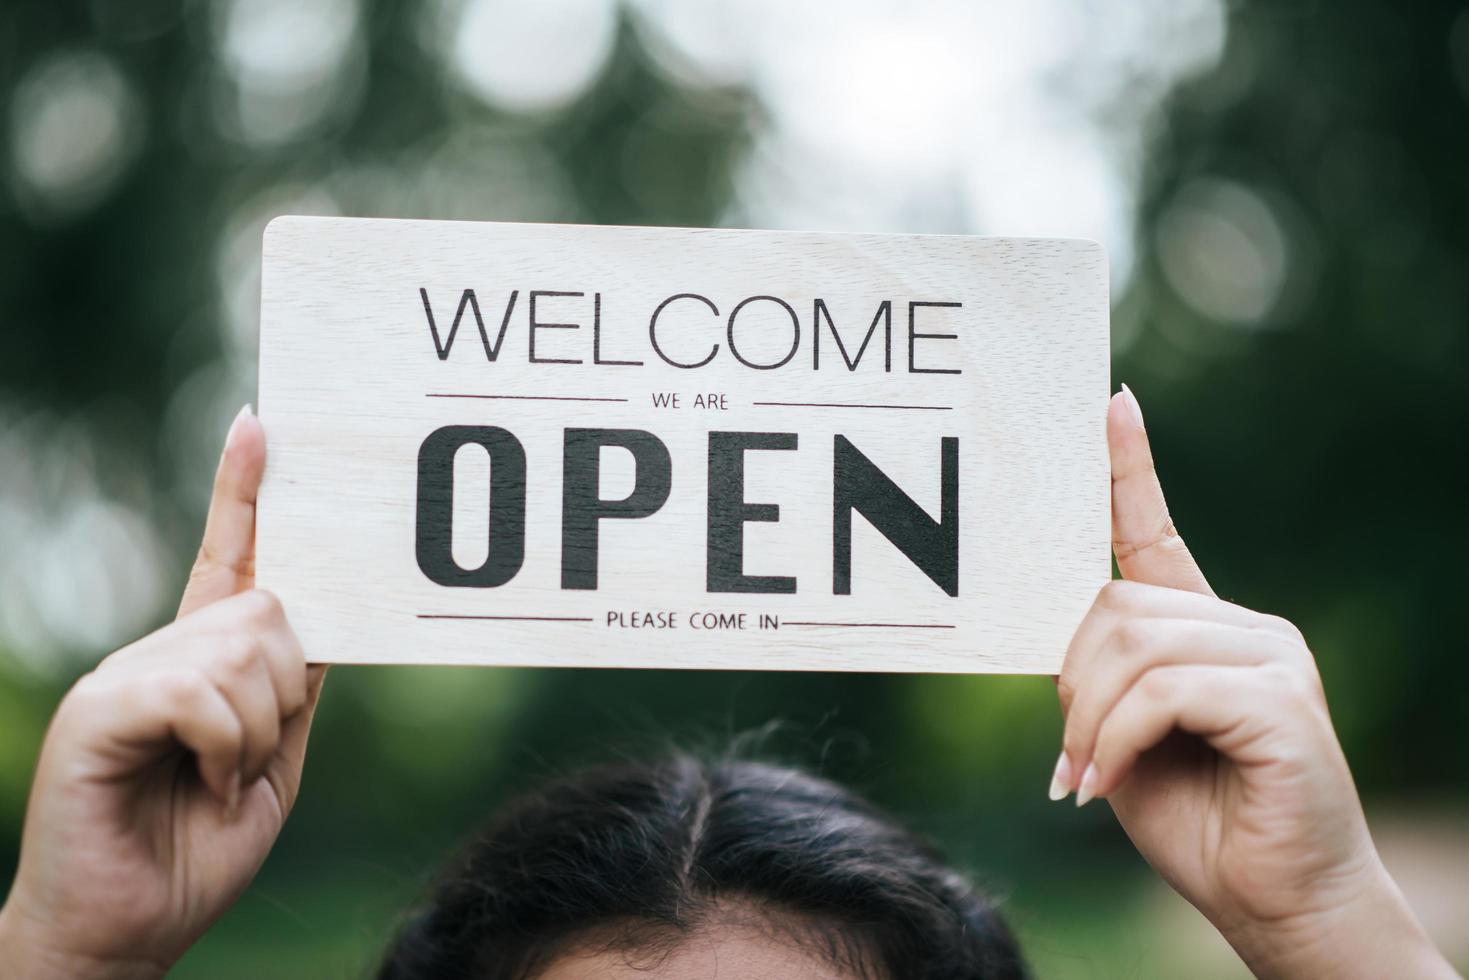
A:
597	335
538	325
435	533
884	313
492	351
728	513
795	328
914	336
582	509
653	330
859	485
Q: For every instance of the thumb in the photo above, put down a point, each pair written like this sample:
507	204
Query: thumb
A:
1146	544
226	561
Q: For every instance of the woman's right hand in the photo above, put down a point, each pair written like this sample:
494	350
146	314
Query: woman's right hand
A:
168	771
1205	726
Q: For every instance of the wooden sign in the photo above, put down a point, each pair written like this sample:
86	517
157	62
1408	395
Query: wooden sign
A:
644	447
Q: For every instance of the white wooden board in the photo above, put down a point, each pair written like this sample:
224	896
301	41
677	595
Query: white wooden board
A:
388	426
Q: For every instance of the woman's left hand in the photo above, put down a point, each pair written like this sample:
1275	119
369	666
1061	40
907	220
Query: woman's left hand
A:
169	770
1205	726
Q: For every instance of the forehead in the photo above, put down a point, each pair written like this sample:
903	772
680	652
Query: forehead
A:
718	952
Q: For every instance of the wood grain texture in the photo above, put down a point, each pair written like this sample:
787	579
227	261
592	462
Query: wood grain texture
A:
352	383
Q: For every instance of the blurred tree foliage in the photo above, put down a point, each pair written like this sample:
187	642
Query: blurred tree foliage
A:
1312	449
1316	461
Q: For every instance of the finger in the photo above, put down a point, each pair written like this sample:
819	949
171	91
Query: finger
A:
1146	544
1232	708
1121	600
224	640
255	613
1136	646
284	771
242	674
258	613
226	561
135	722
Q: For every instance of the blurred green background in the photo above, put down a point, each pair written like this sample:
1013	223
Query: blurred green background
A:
1283	188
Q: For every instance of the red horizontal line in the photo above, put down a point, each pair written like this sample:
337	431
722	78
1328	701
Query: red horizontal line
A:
907	626
533	619
919	408
534	398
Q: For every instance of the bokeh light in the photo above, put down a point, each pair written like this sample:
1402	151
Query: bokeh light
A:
1223	250
531	57
288	64
76	125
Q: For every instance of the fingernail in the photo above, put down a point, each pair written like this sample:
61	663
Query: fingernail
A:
1061	779
232	797
1088	788
242	414
1132	406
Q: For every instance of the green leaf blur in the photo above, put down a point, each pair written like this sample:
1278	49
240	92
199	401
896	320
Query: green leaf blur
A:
1294	317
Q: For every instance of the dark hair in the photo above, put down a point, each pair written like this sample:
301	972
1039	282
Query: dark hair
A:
636	856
